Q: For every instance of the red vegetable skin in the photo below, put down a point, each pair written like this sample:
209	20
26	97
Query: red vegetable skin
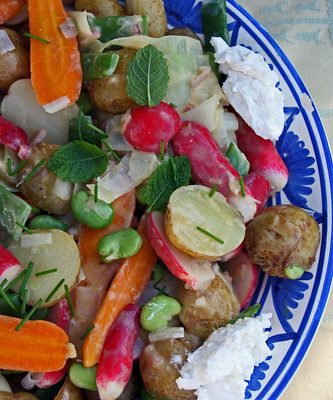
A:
263	157
260	189
148	127
9	265
115	366
233	253
14	138
194	273
245	277
210	167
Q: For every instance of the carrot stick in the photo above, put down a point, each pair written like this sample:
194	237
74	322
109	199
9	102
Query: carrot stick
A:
55	66
126	288
38	346
9	8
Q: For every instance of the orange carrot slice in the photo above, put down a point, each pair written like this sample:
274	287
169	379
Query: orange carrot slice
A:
126	288
56	72
9	8
38	346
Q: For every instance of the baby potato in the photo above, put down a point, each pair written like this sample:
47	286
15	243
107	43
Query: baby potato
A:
17	396
45	190
202	226
205	310
160	365
283	241
59	252
109	94
15	64
154	9
101	8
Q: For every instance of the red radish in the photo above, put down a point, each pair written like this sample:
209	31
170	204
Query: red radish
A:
260	189
14	138
9	265
244	275
115	365
139	345
60	315
263	157
210	167
195	273
233	253
148	128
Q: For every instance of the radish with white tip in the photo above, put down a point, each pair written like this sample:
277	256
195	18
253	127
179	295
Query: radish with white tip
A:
9	265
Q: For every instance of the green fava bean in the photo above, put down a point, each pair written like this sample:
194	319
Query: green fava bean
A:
158	312
95	215
121	244
83	377
47	222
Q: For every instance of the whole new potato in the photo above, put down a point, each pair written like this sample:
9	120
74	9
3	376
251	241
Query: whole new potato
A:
283	241
101	8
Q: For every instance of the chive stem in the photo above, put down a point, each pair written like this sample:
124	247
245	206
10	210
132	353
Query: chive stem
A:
24	301
4	282
26	278
54	291
17	170
162	150
91	327
35	171
211	235
23	227
110	149
35	210
15	280
46	272
213	190
79	128
4	295
31	36
102	134
69	300
242	186
29	315
96	193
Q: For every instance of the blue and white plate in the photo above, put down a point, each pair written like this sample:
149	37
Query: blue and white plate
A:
297	306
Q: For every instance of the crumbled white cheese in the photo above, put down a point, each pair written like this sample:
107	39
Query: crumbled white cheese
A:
251	88
218	369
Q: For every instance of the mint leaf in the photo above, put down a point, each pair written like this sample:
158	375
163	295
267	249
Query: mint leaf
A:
168	176
147	77
247	313
78	162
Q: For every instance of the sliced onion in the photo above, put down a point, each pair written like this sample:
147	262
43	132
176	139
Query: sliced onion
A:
6	44
167	333
118	142
204	113
63	189
142	165
36	239
68	28
57	105
86	36
201	77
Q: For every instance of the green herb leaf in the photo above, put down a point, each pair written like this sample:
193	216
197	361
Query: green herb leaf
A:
78	162
248	313
147	77
170	175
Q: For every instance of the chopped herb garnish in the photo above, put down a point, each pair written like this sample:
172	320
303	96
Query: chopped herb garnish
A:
26	278
17	170
96	193
23	227
24	300
4	295
69	300
102	134
29	315
211	235
248	313
15	280
213	191
110	149
242	186
4	282
35	171
35	210
79	128
31	36
162	150
87	332
46	272
55	289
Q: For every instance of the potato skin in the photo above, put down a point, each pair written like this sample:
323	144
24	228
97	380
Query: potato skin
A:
69	392
39	190
154	9
109	94
160	363
282	236
205	310
15	64
183	32
17	396
101	8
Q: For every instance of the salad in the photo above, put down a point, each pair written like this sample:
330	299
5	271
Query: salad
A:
136	164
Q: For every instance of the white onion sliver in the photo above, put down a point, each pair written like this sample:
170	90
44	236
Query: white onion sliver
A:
39	136
36	239
62	189
29	382
68	28
167	333
118	142
6	44
142	165
57	105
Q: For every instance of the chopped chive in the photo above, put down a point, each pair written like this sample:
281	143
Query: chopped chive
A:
79	128
17	170
35	210
4	295
110	149
102	134
3	283
26	278
23	227
69	300
24	301
9	167
241	182
211	235
55	289
213	191
87	332
31	36
46	272
29	315
35	171
173	105
96	193
162	150
15	280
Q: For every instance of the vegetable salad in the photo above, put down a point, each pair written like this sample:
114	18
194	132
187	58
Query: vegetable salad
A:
134	177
